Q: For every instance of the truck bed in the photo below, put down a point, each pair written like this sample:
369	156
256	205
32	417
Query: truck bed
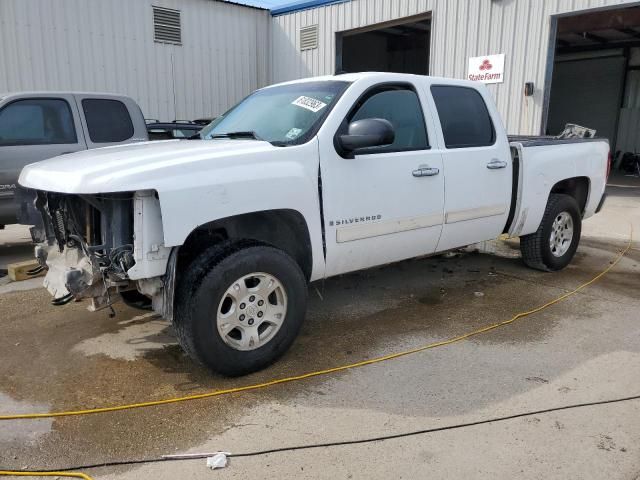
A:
541	163
538	140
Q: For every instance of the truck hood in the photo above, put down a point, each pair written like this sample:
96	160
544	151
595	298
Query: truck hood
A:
135	166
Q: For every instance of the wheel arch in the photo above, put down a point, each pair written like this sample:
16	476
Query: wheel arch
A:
576	187
285	229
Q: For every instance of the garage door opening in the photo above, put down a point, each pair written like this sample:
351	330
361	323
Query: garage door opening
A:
596	77
401	47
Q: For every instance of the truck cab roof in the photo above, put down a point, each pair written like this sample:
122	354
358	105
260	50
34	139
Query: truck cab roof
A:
383	77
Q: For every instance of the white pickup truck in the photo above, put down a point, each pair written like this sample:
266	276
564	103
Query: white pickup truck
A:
298	182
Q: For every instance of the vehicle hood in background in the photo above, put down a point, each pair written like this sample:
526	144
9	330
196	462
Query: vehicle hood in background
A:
138	166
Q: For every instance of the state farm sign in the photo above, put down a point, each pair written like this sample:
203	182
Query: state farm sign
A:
487	69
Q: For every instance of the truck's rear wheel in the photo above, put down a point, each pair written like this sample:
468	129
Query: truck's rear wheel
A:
554	244
239	307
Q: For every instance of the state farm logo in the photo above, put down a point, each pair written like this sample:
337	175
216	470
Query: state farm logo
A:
486	68
486	65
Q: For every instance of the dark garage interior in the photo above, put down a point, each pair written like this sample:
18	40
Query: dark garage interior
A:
390	47
596	79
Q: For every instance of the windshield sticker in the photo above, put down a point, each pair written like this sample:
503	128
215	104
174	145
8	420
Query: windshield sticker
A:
293	133
309	103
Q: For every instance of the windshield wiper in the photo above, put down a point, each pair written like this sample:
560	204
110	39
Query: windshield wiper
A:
242	135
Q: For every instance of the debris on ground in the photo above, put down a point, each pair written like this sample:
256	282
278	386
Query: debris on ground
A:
537	380
219	460
215	460
20	271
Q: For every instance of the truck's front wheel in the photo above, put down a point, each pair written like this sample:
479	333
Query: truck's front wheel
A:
239	307
554	244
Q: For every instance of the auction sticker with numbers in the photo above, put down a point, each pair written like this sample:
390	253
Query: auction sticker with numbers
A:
309	103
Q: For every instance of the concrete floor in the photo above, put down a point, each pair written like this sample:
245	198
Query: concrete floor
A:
584	349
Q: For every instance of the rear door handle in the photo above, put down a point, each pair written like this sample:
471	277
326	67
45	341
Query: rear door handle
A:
495	164
425	171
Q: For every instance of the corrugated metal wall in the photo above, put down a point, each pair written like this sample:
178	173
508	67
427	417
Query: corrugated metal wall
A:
230	50
629	123
108	46
460	29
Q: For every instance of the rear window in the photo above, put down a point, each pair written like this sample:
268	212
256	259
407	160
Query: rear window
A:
37	121
108	121
464	117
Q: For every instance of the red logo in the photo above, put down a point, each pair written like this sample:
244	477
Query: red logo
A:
486	65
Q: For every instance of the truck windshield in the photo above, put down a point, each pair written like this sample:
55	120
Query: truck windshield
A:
282	115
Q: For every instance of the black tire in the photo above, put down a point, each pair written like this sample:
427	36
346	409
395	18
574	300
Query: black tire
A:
134	299
201	289
535	248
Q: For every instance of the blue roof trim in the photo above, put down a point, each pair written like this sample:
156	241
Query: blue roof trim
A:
240	3
303	5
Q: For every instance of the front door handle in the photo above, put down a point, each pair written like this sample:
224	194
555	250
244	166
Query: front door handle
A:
495	164
425	171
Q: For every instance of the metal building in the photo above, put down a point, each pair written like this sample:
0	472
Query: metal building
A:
560	61
576	55
179	59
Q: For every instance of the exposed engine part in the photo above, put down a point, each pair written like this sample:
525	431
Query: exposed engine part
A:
62	300
150	286
70	272
120	261
89	245
40	253
35	271
102	246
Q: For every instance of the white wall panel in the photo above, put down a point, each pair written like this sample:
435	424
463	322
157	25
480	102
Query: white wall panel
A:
460	29
108	46
229	50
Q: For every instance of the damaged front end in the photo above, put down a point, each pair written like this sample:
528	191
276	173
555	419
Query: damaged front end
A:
102	247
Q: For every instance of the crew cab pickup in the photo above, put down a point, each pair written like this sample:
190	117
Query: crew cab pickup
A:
35	126
302	181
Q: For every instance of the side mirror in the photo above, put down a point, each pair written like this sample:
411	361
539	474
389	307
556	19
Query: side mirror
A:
366	133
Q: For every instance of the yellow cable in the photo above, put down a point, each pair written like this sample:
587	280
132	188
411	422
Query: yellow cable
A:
45	474
327	371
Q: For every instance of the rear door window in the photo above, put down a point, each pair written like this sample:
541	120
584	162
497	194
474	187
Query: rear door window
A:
37	121
464	117
108	121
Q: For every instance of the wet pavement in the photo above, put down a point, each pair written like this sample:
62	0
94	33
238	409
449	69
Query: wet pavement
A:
583	349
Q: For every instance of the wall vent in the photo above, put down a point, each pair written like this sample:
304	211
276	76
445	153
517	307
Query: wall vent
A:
166	25
309	37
